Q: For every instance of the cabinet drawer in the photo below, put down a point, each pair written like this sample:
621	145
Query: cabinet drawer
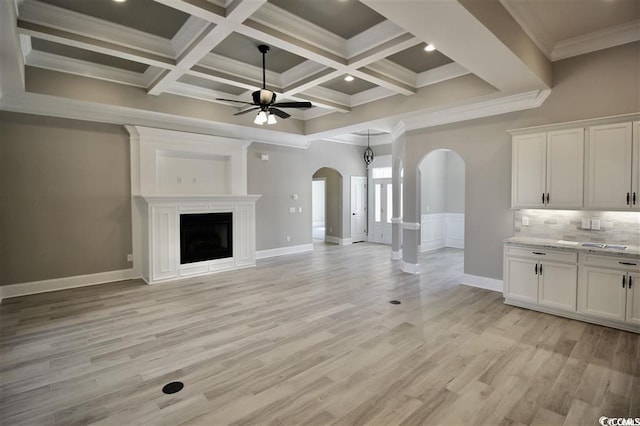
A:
613	262
542	254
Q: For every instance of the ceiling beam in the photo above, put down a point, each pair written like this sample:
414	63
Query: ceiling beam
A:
236	13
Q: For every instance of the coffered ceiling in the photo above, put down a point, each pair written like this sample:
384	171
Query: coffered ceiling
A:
167	52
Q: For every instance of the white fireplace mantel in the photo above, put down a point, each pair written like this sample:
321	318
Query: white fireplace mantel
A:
175	173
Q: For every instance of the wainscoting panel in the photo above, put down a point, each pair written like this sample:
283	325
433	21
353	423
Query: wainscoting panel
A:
440	230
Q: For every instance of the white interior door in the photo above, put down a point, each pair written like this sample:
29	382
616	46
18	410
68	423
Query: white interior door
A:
380	231
358	208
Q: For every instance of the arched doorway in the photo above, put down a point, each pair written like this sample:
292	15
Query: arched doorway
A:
326	205
441	202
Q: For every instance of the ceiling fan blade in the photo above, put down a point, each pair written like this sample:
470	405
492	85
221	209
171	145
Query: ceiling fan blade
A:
233	100
246	111
293	104
279	112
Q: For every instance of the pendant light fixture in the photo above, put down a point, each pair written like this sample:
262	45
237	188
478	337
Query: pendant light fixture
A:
368	155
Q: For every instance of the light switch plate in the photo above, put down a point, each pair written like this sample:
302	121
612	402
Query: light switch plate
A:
595	224
586	224
525	220
292	209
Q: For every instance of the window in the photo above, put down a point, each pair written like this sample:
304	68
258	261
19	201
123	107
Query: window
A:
389	202
377	205
381	172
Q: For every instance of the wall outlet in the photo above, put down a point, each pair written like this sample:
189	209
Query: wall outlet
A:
288	238
586	224
299	209
294	196
129	257
525	220
595	224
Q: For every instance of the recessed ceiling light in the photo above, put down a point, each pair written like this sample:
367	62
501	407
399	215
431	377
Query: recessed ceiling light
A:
119	1
429	48
349	78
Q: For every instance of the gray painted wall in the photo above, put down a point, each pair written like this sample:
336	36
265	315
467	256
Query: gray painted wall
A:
454	183
442	183
290	171
595	85
65	198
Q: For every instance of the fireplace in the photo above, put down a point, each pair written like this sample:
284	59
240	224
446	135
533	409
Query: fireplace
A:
205	236
191	214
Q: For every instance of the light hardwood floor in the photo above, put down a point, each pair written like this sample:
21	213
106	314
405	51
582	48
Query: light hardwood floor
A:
309	339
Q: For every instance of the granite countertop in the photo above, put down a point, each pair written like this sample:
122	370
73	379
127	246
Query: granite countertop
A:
630	251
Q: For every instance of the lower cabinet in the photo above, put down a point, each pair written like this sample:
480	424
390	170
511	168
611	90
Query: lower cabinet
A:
608	288
600	289
542	277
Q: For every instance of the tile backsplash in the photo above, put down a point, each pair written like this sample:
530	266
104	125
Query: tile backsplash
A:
615	227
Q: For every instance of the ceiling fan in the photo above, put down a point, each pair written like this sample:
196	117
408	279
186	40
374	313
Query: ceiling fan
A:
265	100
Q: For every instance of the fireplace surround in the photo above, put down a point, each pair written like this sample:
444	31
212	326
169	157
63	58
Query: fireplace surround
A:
178	177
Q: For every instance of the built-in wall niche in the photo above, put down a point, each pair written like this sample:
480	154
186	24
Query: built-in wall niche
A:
185	173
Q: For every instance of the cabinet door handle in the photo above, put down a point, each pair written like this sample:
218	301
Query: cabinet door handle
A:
624	277
539	253
540	269
634	198
536	269
547	198
543	198
630	281
628	263
628	198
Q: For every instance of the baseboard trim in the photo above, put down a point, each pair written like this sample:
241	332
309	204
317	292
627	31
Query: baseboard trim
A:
410	268
396	255
482	282
282	251
431	246
35	287
337	240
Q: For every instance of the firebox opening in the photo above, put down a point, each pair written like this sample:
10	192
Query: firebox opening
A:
205	236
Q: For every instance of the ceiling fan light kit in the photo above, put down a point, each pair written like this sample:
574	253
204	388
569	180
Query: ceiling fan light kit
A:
264	100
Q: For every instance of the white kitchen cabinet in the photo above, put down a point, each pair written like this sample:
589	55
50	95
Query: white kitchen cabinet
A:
608	288
557	285
521	282
601	293
543	277
635	167
612	167
602	289
548	169
633	298
528	184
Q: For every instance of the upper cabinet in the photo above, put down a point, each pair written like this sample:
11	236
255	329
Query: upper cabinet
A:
613	159
548	170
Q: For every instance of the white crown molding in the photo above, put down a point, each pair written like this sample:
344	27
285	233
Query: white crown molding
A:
326	94
35	287
53	62
32	103
373	94
494	105
280	20
25	45
395	71
378	34
398	131
440	74
88	26
532	25
300	72
604	39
